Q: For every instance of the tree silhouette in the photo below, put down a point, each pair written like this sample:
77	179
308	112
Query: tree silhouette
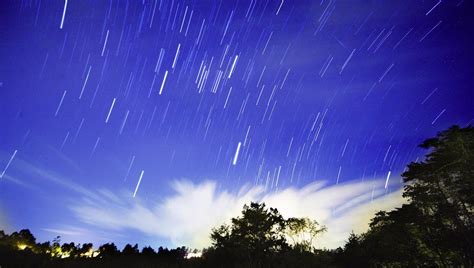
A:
69	249
23	239
259	231
108	250
396	238
86	248
148	251
435	228
128	250
259	238
442	189
302	232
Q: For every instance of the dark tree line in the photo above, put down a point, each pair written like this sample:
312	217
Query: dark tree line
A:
433	229
20	249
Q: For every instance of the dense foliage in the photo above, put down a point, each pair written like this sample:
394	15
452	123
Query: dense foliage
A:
435	229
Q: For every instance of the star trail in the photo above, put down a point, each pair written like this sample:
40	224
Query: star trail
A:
261	93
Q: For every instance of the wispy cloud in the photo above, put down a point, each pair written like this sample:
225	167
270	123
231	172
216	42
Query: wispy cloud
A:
81	235
187	216
18	182
29	170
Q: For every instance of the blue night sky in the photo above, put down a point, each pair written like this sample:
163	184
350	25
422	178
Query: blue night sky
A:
152	121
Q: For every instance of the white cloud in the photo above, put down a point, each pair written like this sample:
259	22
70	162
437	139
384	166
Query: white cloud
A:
187	216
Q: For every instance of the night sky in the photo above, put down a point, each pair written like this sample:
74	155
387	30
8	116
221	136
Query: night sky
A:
126	120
